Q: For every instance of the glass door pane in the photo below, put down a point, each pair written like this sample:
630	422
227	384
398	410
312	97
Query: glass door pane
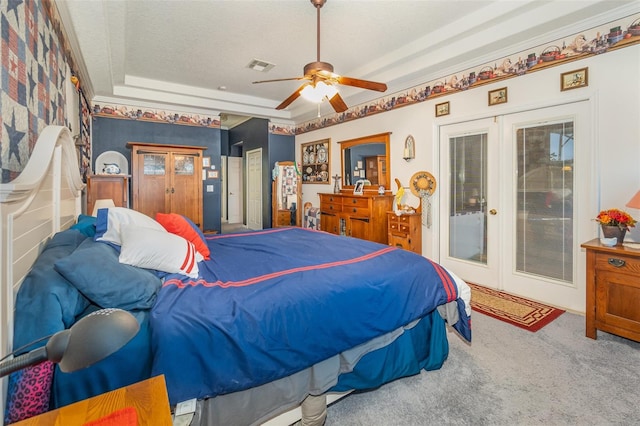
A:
467	209
544	222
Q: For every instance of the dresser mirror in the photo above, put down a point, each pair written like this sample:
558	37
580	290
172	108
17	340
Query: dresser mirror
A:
366	159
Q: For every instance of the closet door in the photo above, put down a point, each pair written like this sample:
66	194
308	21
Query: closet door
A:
185	193
151	181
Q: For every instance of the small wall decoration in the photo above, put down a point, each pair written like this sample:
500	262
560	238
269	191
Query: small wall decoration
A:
442	109
574	79
409	152
498	96
206	161
315	161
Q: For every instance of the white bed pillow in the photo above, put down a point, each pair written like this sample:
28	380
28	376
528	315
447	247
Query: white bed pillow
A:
159	250
110	221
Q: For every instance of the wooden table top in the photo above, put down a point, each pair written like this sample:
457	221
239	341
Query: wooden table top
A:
148	398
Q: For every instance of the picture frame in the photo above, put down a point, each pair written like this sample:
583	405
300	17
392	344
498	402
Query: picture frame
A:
498	96
442	109
574	79
316	161
212	174
206	161
358	188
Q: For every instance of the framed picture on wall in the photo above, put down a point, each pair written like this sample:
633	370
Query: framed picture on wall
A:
574	79
498	96
316	166
442	109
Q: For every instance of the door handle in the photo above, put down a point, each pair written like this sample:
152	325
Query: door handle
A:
493	212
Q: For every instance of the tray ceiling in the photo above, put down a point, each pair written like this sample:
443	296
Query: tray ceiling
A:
194	55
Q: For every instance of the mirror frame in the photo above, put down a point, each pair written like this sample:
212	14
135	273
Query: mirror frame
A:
378	138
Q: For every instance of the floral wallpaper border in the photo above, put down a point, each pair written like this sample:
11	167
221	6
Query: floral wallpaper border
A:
128	112
617	34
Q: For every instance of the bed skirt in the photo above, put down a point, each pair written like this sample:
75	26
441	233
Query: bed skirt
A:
420	345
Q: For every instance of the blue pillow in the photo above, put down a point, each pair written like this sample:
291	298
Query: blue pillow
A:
86	225
46	302
93	268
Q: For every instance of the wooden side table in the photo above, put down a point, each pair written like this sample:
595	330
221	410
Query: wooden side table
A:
114	187
405	231
148	398
613	290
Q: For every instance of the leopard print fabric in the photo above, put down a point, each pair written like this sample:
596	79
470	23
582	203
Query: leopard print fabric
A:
29	392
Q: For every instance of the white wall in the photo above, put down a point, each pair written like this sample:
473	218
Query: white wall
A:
613	92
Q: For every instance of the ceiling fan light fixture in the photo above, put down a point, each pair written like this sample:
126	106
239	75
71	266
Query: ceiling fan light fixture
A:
318	92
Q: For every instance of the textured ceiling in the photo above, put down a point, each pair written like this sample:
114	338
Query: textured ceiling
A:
193	55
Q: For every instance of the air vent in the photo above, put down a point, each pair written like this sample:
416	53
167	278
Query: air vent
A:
258	65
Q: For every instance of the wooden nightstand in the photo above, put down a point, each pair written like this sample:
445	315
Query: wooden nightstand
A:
405	231
114	187
613	290
148	398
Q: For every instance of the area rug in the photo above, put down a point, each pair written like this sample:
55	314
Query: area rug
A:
512	309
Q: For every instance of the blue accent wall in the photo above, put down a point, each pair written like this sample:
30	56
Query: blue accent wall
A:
113	135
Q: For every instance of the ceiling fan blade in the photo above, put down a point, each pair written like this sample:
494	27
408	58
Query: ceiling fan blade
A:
291	98
338	103
364	84
282	79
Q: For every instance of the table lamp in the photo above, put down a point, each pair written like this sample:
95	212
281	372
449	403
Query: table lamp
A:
634	202
102	204
88	341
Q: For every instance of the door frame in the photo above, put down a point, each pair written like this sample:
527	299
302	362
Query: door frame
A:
589	195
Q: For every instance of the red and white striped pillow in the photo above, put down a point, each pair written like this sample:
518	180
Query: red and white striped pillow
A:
152	249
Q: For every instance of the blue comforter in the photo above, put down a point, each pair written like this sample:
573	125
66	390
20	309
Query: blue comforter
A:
274	302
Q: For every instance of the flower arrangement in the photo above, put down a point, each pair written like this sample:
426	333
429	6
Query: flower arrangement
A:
615	217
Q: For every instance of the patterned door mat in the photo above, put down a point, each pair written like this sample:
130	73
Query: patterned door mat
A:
512	309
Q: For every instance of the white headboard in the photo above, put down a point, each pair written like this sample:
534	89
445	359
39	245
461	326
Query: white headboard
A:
43	200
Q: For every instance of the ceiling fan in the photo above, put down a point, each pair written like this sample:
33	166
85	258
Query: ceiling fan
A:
320	76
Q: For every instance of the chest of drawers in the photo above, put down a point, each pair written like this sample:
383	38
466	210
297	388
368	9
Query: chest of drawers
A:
405	231
359	216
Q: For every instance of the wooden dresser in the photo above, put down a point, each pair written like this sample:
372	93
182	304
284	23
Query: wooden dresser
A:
613	290
405	231
359	216
167	179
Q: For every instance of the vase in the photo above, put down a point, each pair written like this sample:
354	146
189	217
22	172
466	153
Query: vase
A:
614	232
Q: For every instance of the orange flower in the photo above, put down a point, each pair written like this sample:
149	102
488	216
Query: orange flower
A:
615	217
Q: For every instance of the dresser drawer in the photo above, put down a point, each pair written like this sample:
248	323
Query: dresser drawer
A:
330	198
327	207
617	263
349	202
356	211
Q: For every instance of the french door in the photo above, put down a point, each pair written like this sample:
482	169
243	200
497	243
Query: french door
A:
514	208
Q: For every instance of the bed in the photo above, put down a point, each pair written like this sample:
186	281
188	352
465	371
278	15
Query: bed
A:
273	320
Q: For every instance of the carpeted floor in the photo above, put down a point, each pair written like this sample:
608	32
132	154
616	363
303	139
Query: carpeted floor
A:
523	313
509	376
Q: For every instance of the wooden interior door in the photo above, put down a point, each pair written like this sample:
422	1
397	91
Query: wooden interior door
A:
151	182
185	192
